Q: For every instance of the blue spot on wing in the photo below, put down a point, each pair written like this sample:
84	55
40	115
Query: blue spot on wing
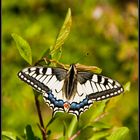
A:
73	106
77	106
60	103
57	103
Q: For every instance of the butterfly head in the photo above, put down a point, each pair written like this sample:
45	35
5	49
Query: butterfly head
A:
73	68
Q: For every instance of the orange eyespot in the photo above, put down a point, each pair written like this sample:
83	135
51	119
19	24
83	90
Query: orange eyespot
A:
66	106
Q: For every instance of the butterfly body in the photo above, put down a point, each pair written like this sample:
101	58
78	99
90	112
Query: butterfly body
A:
70	82
71	91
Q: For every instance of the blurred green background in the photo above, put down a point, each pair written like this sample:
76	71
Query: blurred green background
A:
103	33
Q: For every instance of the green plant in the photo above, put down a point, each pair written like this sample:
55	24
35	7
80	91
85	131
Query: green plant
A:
89	125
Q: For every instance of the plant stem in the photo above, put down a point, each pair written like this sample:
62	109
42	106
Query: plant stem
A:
43	130
75	135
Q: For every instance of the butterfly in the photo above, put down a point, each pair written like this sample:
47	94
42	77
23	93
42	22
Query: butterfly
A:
72	91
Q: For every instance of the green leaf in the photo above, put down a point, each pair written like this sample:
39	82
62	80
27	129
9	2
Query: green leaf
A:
86	133
46	53
61	138
29	133
127	86
101	125
113	101
96	111
65	132
93	114
51	120
99	135
62	35
72	126
119	134
10	135
23	47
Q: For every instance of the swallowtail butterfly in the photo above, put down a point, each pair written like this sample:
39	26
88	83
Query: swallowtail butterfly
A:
70	90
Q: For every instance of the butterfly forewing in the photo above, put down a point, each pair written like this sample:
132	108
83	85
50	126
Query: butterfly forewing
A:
98	87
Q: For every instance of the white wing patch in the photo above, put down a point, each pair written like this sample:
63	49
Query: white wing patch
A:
102	87
94	87
80	94
88	87
94	78
49	71
39	76
98	87
79	89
